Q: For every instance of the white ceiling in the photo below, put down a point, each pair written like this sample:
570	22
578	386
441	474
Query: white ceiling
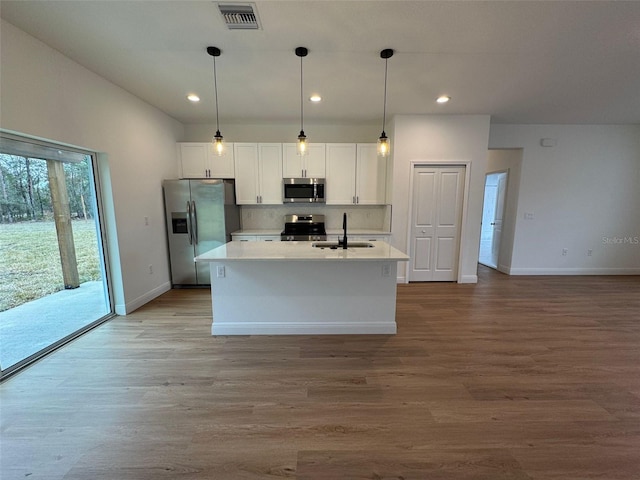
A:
519	61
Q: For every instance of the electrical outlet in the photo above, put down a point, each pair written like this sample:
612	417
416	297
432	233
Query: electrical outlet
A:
565	252
146	221
589	252
150	269
386	270
220	271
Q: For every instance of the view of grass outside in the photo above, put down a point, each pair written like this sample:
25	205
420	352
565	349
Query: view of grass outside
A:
30	262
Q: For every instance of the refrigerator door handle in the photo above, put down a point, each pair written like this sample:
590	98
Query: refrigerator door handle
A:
195	222
189	229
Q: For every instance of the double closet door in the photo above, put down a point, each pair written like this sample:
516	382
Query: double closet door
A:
436	219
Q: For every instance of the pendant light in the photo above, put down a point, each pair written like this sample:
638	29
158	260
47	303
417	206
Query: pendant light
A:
302	138
383	142
218	145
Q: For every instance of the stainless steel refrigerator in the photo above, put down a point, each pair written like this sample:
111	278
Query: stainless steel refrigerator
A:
200	216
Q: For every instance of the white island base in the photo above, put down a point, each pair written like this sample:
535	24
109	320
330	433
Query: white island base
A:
332	292
276	298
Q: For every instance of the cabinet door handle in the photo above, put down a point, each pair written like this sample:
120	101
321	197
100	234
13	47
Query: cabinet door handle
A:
357	199
354	200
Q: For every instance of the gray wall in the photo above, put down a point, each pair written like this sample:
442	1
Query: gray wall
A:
584	195
46	95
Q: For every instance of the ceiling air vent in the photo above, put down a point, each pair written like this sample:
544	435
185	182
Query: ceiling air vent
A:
239	16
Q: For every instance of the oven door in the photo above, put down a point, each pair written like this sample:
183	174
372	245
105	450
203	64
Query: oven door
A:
303	190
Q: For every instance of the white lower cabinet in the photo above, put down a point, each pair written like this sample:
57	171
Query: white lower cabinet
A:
268	238
244	238
197	160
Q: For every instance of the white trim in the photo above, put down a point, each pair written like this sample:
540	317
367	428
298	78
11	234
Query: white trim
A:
574	271
504	269
143	299
468	279
288	328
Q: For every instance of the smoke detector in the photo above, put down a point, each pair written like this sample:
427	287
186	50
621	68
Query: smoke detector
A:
239	16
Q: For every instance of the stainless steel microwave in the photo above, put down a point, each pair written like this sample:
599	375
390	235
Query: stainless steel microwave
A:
303	190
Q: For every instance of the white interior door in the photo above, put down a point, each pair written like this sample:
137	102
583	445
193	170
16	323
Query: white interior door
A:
435	229
498	217
492	217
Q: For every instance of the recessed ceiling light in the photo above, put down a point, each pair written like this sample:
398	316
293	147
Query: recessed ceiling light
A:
443	99
315	98
192	97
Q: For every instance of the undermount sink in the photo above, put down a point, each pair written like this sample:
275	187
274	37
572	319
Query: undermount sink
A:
336	245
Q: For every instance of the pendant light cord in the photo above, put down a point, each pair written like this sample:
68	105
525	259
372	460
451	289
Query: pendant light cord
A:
384	107
301	102
215	86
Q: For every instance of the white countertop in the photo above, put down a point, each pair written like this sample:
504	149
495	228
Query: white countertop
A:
296	251
355	231
257	232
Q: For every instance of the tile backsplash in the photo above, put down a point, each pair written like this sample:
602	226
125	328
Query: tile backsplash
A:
269	217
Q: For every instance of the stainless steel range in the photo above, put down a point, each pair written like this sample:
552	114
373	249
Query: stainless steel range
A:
304	228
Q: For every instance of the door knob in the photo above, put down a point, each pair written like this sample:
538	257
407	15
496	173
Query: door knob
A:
424	231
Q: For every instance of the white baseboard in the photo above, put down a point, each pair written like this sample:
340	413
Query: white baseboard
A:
469	279
143	299
574	271
288	328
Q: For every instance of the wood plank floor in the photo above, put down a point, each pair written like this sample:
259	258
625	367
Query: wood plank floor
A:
511	378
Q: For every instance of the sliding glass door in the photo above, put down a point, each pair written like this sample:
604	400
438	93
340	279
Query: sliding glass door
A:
53	275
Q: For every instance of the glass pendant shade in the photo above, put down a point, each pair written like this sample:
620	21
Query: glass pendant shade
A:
301	148
383	145
218	144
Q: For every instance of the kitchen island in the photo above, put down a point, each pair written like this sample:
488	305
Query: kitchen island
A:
290	288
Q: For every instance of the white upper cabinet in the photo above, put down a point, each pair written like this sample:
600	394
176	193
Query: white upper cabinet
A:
355	174
258	168
270	161
197	160
341	173
371	175
311	165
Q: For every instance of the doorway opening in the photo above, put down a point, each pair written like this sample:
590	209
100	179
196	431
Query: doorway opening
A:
52	257
493	210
